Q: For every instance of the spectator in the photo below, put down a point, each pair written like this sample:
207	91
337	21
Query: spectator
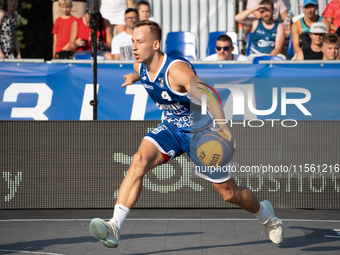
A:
121	48
144	11
62	31
267	35
300	29
9	45
78	9
113	10
280	10
314	52
80	40
224	47
332	14
330	47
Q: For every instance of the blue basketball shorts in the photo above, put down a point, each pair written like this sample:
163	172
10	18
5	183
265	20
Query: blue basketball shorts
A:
173	143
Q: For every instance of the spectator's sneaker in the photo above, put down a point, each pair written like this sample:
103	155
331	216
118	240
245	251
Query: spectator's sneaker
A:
107	232
273	226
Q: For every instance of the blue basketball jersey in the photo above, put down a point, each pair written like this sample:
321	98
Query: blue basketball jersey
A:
177	108
263	40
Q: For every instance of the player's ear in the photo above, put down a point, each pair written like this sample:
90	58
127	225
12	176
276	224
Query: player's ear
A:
156	45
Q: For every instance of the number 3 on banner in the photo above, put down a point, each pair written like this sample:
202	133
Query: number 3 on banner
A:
44	100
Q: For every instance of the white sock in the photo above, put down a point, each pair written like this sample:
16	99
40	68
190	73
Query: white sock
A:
120	213
262	215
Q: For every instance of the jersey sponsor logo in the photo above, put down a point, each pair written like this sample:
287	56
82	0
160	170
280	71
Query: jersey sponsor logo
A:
260	32
263	43
147	86
175	108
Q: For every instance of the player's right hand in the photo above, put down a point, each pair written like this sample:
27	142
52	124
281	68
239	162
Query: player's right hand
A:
130	79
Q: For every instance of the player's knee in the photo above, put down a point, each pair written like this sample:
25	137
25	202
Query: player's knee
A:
138	162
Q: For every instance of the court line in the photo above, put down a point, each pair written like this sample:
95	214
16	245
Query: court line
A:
168	219
31	252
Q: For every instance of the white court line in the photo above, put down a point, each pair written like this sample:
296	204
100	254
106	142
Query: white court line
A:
32	252
167	219
331	236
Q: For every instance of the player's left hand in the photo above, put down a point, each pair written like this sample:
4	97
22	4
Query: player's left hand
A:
228	133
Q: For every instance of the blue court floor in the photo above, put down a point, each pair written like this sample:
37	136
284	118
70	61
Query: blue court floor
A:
169	231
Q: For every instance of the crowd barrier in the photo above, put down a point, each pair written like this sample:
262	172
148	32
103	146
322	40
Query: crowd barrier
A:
271	90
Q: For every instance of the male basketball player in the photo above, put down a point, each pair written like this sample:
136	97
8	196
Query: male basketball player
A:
170	82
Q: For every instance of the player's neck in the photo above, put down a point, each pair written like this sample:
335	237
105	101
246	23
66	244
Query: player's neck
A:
65	16
154	64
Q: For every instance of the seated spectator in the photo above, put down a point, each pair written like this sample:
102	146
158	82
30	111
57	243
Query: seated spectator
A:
330	47
332	14
267	35
224	47
113	10
143	8
80	40
78	9
314	52
300	29
9	45
62	31
121	48
280	10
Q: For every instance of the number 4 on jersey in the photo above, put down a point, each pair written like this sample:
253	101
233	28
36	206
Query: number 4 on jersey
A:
165	95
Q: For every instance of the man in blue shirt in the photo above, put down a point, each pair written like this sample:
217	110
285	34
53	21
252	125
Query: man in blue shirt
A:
267	35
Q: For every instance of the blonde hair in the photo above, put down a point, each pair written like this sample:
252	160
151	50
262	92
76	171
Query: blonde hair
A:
65	2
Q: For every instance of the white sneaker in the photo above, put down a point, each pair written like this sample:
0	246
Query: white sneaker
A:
274	225
107	232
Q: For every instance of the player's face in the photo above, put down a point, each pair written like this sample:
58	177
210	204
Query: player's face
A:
266	13
65	9
309	10
317	38
223	49
330	51
142	44
144	12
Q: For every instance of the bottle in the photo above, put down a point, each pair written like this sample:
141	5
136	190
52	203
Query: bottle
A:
286	23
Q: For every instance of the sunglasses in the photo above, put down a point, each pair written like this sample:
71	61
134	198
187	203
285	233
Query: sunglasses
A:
225	48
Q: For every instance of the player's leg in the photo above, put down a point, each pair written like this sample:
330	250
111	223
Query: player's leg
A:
147	157
245	198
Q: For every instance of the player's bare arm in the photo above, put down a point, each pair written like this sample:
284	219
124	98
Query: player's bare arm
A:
183	79
132	78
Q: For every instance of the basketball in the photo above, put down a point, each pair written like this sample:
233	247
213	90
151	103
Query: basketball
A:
215	149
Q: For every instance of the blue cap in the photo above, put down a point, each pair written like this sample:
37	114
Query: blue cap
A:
305	2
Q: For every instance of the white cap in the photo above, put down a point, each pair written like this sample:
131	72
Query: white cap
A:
318	28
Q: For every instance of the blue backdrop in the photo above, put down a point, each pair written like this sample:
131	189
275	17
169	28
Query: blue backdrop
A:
62	91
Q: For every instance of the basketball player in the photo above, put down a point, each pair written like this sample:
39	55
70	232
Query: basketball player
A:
170	82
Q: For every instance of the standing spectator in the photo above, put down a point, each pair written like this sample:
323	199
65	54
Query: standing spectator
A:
300	29
267	35
9	45
113	10
144	11
330	47
78	9
80	40
224	47
280	10
314	52
332	14
62	31
121	48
